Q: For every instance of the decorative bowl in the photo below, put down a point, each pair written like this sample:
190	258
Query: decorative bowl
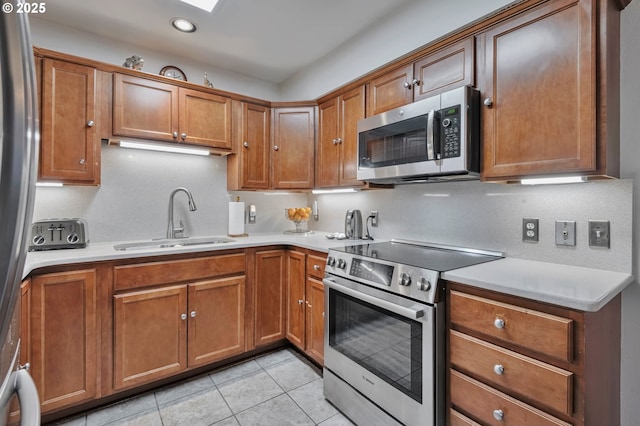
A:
298	215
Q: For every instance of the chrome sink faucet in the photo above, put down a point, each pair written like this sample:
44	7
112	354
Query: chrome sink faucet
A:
172	230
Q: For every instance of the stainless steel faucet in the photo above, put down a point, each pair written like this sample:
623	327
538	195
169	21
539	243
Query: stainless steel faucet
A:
172	230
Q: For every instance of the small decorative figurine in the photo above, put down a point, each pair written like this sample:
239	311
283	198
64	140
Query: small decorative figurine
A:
207	83
134	62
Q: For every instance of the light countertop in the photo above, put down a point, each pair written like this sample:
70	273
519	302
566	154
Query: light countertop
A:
579	288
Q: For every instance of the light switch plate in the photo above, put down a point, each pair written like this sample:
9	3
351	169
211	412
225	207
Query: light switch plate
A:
565	233
599	234
530	230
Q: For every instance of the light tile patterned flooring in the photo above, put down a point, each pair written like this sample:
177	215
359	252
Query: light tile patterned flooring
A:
279	388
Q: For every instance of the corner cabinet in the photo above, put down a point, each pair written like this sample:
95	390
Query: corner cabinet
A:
293	156
337	161
70	141
514	361
150	109
547	94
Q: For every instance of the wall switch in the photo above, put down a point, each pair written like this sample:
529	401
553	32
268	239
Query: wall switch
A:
374	218
565	233
252	213
530	230
599	235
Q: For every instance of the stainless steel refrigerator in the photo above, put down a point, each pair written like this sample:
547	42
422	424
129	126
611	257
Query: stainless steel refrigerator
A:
19	138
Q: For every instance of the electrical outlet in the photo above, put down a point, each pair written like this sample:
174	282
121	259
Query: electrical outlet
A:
374	218
599	235
565	233
530	230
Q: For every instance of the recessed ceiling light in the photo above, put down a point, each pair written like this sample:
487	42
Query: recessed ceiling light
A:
207	5
184	25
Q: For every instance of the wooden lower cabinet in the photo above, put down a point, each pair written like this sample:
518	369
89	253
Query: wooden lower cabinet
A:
305	303
161	332
269	285
64	338
514	361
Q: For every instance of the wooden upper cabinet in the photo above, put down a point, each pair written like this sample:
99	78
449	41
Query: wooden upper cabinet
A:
444	69
70	143
144	108
149	109
293	156
205	119
539	81
249	167
337	162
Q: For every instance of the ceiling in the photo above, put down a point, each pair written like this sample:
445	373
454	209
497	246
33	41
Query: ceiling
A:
266	39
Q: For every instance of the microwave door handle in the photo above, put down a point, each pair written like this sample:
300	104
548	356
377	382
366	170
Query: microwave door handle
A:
431	155
389	306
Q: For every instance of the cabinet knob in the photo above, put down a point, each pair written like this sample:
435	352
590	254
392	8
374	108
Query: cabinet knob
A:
183	136
308	305
498	369
193	314
499	323
339	140
246	144
183	317
82	161
334	141
488	102
415	82
300	301
498	415
91	123
175	135
316	267
276	147
407	85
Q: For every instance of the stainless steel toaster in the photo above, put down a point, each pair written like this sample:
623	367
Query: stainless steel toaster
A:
64	233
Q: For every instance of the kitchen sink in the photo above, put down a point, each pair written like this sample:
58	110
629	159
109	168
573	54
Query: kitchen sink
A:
166	242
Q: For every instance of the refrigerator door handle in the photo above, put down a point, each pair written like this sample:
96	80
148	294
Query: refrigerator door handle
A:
27	393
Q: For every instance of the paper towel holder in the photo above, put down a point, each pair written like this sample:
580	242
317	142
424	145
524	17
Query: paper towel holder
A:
252	213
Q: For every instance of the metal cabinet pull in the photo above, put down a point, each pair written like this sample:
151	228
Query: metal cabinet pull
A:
91	123
183	317
316	267
82	161
183	136
498	369
416	82
339	140
334	141
308	305
276	147
488	102
175	135
498	415
300	301
499	323
246	144
193	314
407	85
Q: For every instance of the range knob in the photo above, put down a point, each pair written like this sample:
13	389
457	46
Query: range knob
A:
424	284
73	238
39	240
331	261
342	264
405	279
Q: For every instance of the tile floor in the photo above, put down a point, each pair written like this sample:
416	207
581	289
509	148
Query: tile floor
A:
279	388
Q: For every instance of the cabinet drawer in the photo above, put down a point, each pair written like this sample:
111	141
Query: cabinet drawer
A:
494	408
174	271
315	266
457	419
544	383
538	331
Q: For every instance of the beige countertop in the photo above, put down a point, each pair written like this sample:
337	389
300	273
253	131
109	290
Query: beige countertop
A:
579	288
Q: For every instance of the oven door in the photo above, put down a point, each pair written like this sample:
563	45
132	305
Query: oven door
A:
384	346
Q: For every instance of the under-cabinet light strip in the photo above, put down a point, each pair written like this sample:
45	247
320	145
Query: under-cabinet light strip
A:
334	191
553	180
163	148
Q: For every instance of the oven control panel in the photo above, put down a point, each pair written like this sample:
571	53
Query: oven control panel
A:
405	280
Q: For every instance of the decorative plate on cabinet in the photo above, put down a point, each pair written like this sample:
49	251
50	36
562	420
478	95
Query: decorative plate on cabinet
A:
173	72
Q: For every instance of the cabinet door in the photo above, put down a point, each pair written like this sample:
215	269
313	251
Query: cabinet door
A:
328	160
205	119
352	109
315	319
269	296
70	145
25	342
216	320
293	148
150	335
445	69
296	266
64	336
249	167
539	73
390	90
144	108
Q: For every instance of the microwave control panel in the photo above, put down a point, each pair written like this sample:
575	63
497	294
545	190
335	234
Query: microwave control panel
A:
450	132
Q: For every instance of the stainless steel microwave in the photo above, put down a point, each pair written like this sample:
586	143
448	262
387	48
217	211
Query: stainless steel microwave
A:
434	139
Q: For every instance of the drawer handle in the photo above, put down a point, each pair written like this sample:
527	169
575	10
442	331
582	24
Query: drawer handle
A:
498	369
316	267
498	415
499	323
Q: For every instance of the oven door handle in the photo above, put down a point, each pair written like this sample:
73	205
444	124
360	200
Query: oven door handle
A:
389	306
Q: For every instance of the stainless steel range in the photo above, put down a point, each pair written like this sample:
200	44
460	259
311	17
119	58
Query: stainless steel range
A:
384	330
